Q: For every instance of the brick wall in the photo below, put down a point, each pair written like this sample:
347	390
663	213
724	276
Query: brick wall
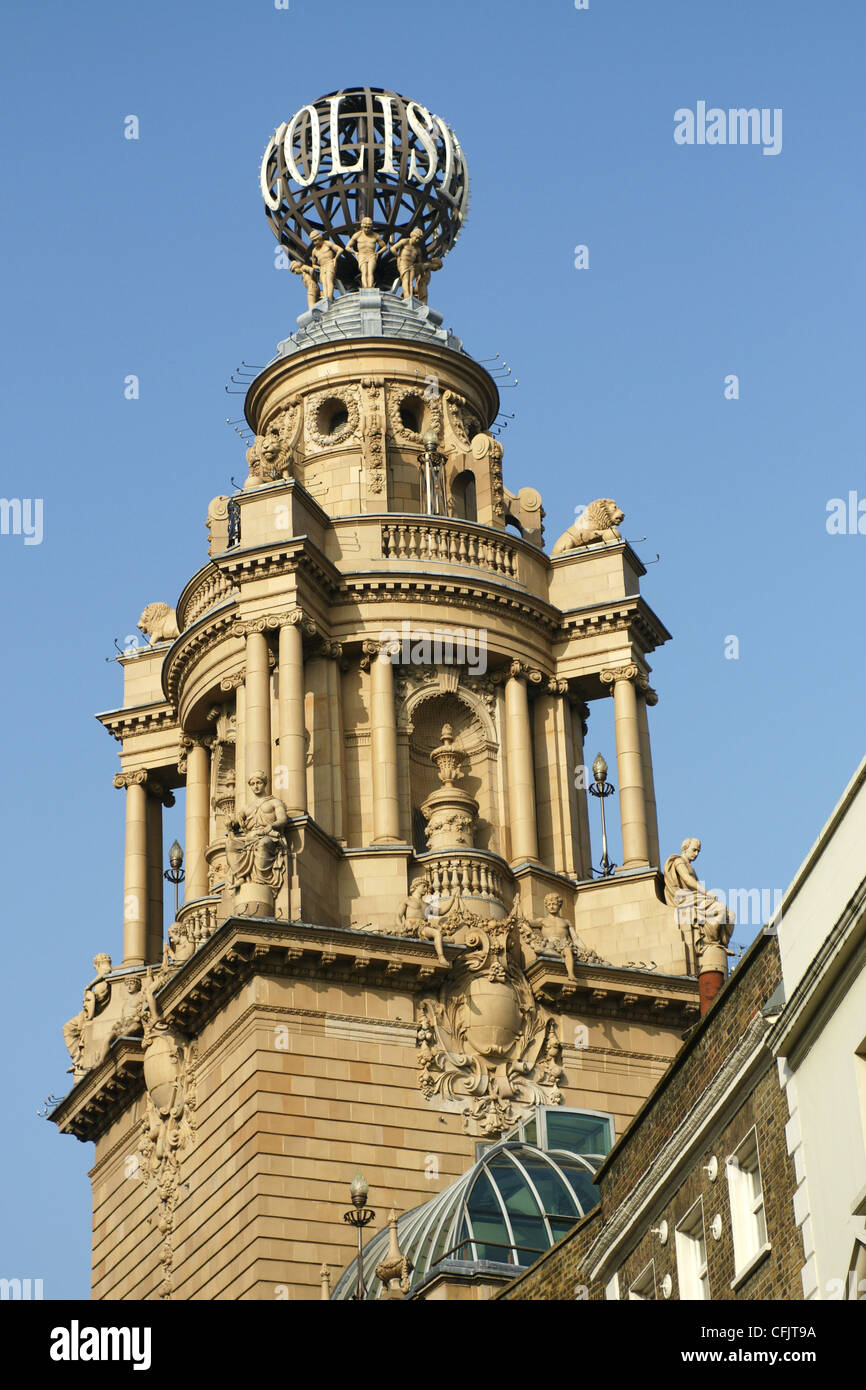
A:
561	1273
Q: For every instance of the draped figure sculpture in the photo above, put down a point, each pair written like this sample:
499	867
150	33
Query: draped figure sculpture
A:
256	849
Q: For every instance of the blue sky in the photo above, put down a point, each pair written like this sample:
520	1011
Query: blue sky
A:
154	257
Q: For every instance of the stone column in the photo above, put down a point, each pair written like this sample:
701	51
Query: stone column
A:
521	775
578	713
135	876
335	712
647	696
383	721
319	778
257	734
155	880
292	785
632	794
554	777
197	820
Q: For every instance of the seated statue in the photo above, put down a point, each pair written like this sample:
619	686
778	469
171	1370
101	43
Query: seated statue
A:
130	1021
554	933
414	917
256	842
685	892
96	995
179	946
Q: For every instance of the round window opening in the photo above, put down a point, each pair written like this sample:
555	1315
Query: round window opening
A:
332	416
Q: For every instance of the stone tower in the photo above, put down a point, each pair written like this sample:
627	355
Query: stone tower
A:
373	694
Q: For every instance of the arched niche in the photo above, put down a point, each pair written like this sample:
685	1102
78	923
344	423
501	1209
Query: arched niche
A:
425	713
464	499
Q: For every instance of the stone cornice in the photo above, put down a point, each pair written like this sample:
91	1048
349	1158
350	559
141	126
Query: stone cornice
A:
487	597
239	949
345	353
615	992
121	723
299	554
621	616
102	1094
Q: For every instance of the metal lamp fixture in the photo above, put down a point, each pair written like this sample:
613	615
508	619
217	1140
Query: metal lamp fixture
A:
432	465
359	1216
175	873
602	789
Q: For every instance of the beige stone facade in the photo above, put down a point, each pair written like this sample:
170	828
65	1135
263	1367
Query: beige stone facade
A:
285	1037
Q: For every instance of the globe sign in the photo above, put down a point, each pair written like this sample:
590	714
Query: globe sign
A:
364	152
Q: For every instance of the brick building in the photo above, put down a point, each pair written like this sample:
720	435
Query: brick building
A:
696	1198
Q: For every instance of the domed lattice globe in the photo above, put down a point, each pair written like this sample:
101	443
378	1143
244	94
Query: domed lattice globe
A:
364	152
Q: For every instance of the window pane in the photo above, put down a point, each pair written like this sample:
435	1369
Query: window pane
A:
491	1234
556	1196
583	1134
516	1193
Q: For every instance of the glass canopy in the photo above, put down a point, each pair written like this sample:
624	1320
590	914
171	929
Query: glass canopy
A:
513	1204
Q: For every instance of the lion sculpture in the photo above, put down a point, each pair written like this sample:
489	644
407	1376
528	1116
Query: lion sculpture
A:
271	456
158	622
597	522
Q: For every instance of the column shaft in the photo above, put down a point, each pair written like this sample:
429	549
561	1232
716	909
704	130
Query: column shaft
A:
521	776
155	880
197	821
258	707
338	771
579	795
632	797
383	719
135	881
320	779
652	824
292	783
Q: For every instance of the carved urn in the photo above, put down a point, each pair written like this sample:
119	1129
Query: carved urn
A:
162	1068
451	814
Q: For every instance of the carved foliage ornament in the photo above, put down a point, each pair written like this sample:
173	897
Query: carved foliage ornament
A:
426	404
332	416
168	1128
486	1040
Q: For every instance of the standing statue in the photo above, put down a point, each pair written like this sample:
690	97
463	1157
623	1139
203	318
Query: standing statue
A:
368	244
256	848
554	932
684	891
415	919
325	254
96	995
422	279
308	275
409	252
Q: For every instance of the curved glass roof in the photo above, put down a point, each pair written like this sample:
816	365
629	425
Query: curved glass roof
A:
513	1204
